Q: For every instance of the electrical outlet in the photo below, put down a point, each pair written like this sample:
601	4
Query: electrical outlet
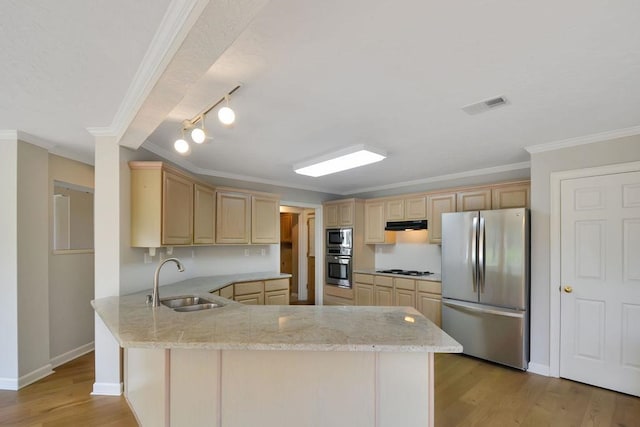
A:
148	259
263	252
246	252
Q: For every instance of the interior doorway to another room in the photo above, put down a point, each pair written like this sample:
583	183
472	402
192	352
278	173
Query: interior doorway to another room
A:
297	252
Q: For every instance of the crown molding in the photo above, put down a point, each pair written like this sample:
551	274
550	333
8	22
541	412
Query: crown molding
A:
173	29
185	164
452	176
582	140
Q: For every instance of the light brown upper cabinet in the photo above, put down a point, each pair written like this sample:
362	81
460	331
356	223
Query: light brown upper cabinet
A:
437	204
177	209
515	195
233	217
474	200
265	219
339	213
204	209
161	205
406	209
374	223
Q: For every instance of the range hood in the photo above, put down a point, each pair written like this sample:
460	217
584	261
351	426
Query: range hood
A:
406	225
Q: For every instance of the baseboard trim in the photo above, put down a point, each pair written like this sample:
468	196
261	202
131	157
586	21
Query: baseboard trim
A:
72	354
538	368
9	384
107	389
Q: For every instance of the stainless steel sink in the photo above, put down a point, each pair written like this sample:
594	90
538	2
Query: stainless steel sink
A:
189	303
198	307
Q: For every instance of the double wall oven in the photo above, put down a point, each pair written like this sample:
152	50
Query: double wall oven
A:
339	251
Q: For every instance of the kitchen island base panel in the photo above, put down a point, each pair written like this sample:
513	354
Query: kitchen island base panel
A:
190	387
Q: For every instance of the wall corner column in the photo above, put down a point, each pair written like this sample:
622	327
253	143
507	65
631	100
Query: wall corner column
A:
107	260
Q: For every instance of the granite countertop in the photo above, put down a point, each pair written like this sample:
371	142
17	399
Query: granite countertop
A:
435	277
235	326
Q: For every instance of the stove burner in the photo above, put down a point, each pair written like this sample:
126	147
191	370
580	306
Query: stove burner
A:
405	272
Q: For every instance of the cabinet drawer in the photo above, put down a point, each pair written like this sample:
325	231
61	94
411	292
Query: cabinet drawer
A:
408	284
248	288
363	278
338	292
383	281
331	300
431	287
276	285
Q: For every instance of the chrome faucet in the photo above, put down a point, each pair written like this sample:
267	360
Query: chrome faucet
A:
155	299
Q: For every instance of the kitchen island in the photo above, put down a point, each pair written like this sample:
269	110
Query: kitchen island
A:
240	365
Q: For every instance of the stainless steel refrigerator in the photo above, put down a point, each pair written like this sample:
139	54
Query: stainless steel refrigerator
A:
485	283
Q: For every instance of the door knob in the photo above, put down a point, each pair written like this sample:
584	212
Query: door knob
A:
568	289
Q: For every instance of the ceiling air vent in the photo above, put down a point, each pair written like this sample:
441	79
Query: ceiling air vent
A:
486	105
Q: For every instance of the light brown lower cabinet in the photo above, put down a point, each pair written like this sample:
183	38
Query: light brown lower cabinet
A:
276	292
264	292
429	300
227	292
383	290
424	296
334	295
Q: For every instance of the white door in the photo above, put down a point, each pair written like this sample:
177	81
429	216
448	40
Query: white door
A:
600	281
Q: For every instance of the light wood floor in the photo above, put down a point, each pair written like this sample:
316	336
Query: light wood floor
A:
469	392
63	399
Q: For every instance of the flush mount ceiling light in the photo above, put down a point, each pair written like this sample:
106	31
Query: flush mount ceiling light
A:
198	133
347	158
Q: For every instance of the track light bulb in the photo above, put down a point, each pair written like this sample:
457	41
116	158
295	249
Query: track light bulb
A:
198	135
226	116
181	146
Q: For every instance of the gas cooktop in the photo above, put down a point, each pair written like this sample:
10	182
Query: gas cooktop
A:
405	272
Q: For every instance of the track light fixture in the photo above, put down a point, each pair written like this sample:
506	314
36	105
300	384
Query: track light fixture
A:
198	133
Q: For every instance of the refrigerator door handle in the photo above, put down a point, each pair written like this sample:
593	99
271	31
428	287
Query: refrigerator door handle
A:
481	244
471	307
474	249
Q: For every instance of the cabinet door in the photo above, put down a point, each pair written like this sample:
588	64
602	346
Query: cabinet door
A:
405	298
383	296
233	217
476	200
345	214
265	220
276	298
251	299
331	216
511	196
374	222
394	210
430	306
438	204
177	209
415	208
364	294
204	210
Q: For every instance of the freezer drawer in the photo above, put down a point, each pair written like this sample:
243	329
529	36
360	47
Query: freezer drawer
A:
491	333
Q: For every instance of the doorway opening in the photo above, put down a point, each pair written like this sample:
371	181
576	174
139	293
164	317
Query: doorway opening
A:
297	252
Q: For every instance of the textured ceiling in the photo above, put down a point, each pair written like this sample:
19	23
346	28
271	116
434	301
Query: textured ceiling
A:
320	76
67	65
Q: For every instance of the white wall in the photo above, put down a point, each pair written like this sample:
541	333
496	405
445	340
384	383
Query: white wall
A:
33	260
9	261
71	275
412	251
542	165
